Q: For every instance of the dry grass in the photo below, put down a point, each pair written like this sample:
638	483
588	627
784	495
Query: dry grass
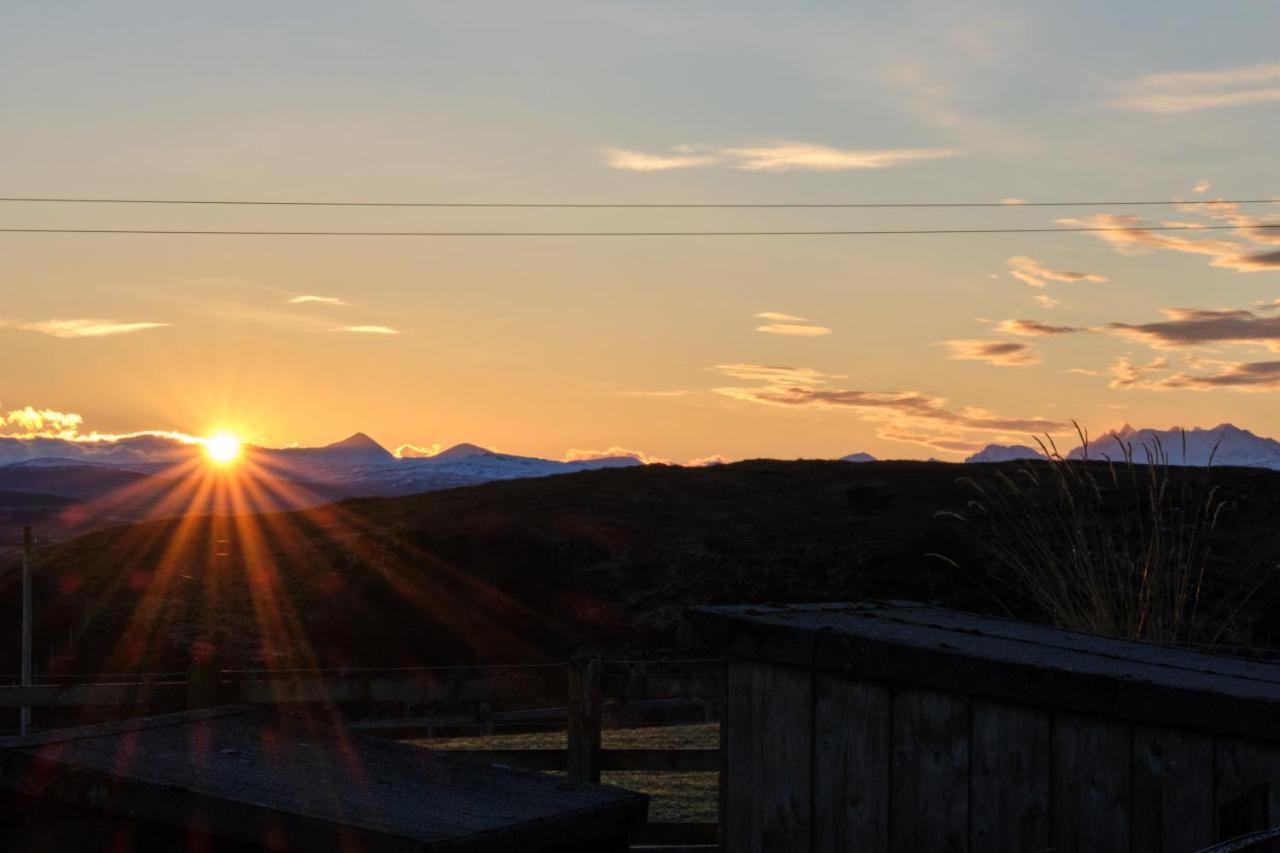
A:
676	797
1116	548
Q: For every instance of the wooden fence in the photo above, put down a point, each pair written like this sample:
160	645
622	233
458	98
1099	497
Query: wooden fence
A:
573	697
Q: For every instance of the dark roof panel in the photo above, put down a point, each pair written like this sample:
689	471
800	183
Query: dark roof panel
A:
917	645
242	770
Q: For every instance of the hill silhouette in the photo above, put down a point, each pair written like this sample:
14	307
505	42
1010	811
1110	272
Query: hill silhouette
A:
532	569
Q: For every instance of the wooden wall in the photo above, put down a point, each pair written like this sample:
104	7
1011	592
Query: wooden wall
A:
818	762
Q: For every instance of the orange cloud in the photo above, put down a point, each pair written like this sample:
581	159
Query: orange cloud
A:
1187	91
42	422
414	451
1228	254
790	325
1192	327
1003	353
900	415
578	455
1031	272
85	327
1033	328
782	156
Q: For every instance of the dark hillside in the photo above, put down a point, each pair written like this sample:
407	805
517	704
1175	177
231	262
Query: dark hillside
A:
532	568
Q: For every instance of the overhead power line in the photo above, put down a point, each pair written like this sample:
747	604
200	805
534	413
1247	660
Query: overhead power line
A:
628	205
881	232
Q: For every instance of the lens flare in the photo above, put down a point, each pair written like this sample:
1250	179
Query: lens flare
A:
222	448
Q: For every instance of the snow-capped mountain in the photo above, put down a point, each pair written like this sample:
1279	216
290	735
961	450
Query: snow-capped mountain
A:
1225	444
858	457
355	466
464	465
1003	453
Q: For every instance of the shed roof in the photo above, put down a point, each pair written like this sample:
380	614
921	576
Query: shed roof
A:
246	774
901	642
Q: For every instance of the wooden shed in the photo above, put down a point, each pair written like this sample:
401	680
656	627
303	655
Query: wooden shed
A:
897	726
231	779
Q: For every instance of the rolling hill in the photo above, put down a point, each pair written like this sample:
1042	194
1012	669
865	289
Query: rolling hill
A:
533	568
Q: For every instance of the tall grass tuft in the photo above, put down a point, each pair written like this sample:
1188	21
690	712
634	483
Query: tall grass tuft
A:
1116	547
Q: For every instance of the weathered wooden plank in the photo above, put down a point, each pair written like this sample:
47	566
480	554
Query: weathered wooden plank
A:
1173	804
584	719
1091	792
851	746
930	778
871	642
1241	767
1240	817
1243	764
768	777
1010	772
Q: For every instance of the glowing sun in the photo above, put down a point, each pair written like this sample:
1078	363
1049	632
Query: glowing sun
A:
222	448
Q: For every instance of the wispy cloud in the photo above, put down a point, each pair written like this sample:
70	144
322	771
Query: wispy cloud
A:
776	375
1003	353
1187	91
639	161
793	329
1201	187
901	415
771	157
417	451
1193	327
1033	328
1228	254
579	455
1242	376
788	156
1125	374
1031	272
318	300
789	324
370	330
83	327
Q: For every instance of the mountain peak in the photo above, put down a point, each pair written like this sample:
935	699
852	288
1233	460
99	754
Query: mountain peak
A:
355	441
1004	453
462	451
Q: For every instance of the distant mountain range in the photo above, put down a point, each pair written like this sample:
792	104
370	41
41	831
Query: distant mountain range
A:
148	476
1222	445
70	486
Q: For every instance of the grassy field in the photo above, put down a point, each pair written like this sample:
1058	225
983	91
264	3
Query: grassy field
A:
674	796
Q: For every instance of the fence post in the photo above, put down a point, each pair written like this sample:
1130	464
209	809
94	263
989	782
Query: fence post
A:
204	678
24	724
584	718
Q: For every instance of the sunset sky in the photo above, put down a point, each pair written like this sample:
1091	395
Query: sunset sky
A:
679	348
